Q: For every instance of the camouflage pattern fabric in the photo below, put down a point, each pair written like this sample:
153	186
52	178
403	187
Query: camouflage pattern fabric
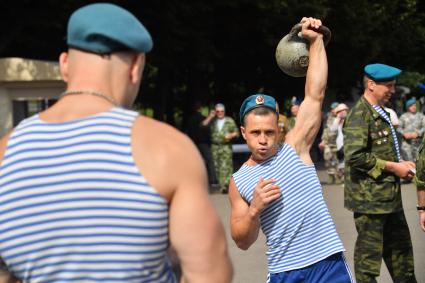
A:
222	150
375	198
283	127
291	123
368	144
383	236
420	167
411	123
329	152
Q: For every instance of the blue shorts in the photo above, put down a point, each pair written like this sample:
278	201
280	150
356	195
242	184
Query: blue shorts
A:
331	269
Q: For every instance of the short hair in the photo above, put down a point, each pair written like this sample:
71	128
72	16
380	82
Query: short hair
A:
365	80
220	105
260	111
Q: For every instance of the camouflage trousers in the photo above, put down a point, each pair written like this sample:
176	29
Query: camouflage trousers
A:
331	162
383	236
223	162
409	149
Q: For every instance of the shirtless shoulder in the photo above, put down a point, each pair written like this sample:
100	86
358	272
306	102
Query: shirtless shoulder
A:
3	144
165	156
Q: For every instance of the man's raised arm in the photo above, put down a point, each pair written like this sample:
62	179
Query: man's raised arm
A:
310	112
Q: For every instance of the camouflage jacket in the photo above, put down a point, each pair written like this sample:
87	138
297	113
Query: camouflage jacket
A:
412	123
420	167
368	144
291	123
217	136
283	127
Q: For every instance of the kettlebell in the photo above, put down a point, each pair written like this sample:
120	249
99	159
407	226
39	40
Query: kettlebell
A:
292	51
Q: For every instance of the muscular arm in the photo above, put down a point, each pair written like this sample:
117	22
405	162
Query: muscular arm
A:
244	222
172	165
309	115
245	218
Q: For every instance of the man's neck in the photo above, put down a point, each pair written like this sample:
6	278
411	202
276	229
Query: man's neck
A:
370	98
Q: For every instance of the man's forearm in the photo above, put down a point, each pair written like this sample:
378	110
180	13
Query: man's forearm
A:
245	229
317	73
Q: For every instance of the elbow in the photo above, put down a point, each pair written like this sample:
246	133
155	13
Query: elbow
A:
242	244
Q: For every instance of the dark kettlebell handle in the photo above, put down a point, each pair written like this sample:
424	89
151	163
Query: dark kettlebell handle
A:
322	29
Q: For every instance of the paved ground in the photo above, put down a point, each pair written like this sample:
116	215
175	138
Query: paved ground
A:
250	266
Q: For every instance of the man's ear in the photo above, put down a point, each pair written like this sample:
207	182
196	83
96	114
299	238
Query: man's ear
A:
137	67
243	132
63	65
371	85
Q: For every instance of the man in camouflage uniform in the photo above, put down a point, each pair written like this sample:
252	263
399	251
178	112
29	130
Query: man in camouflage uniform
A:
223	131
283	123
411	127
295	106
420	184
373	168
328	146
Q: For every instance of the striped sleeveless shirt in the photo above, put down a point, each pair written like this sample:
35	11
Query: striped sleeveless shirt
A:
384	115
298	226
74	207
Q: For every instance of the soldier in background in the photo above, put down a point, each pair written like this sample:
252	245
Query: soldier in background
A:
223	132
411	127
283	124
328	146
373	168
295	106
198	129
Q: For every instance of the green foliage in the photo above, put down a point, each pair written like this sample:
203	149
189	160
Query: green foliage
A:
411	79
223	50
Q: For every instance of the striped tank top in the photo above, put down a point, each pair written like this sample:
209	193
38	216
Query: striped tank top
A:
298	226
74	207
384	115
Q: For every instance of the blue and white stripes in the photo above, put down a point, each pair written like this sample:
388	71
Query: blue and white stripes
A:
74	207
384	115
298	226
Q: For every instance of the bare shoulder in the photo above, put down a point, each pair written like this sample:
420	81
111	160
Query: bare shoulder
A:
163	140
3	144
164	155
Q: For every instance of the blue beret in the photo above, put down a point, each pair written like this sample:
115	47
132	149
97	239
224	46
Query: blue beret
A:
381	72
334	105
106	28
255	101
410	102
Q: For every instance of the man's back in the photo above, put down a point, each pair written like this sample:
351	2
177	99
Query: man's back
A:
75	205
146	174
158	190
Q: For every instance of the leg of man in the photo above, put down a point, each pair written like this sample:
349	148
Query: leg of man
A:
222	155
406	151
369	246
215	151
398	252
227	165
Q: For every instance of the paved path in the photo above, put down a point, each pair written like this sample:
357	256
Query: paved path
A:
250	266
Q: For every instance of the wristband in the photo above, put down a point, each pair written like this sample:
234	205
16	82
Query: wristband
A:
420	207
